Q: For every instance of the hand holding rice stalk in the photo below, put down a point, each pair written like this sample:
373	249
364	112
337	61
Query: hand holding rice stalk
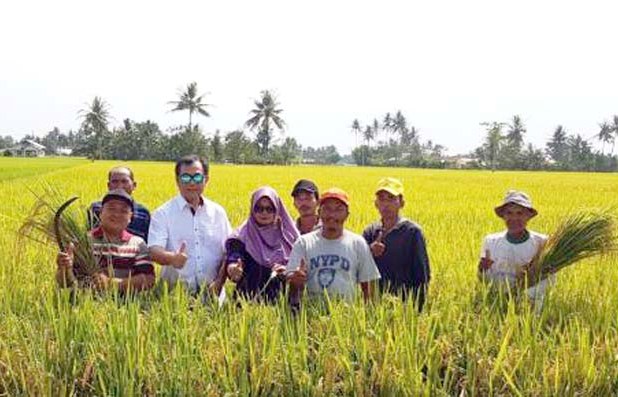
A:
50	221
583	235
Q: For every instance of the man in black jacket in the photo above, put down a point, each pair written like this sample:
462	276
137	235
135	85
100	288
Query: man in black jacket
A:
398	246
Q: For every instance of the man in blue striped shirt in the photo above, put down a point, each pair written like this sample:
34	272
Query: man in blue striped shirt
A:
122	178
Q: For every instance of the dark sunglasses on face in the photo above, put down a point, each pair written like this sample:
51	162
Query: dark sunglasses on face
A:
185	179
268	209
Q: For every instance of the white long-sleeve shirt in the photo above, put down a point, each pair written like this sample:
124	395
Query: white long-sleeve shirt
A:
204	233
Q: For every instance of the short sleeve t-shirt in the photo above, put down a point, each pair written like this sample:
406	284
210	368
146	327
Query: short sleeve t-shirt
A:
510	257
335	266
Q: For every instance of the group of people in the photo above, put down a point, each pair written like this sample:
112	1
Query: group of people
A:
191	237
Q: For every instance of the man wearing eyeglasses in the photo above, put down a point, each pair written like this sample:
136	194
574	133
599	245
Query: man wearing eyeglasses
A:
122	178
187	234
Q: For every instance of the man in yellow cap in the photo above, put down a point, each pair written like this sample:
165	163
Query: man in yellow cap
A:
398	245
332	259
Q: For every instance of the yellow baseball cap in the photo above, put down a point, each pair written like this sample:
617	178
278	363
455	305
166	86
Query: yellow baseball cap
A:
392	185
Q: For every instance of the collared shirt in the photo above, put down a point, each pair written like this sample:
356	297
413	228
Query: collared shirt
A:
317	226
404	265
204	233
126	256
139	223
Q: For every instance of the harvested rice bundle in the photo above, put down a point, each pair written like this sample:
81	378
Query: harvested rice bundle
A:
51	222
583	235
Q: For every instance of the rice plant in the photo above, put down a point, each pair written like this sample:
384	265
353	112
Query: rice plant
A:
582	235
466	341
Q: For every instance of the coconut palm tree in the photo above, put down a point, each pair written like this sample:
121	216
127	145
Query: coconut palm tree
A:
493	141
376	129
605	135
368	134
191	101
95	120
615	130
387	123
400	126
356	129
266	113
515	134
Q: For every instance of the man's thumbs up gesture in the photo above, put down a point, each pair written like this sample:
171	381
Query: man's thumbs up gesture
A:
235	270
485	262
378	247
180	256
298	278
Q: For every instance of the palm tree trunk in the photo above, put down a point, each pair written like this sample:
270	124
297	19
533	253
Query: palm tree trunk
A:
190	118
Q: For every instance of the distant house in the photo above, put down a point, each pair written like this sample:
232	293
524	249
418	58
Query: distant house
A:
64	151
460	162
27	148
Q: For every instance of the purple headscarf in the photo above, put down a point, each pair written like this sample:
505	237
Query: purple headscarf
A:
270	244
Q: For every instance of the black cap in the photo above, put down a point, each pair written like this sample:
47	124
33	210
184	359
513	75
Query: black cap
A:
307	186
118	194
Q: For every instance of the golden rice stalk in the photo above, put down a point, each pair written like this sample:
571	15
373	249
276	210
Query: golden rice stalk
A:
582	235
39	226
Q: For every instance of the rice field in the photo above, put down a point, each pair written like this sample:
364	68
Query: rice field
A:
466	342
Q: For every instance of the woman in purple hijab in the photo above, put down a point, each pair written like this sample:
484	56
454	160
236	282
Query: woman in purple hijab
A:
261	246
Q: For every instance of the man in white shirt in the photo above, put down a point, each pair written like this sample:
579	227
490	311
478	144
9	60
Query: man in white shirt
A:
506	255
332	259
187	233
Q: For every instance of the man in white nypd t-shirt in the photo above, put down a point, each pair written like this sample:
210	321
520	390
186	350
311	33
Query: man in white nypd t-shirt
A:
332	259
505	255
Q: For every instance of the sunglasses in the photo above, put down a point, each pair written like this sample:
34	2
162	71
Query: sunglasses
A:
185	179
268	209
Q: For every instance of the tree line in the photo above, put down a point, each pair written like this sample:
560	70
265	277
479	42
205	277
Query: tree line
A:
394	142
258	142
390	140
504	148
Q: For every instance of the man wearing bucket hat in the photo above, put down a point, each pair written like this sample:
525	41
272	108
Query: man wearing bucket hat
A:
398	245
122	257
505	255
332	259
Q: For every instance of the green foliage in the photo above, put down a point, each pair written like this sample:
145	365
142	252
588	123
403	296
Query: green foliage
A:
191	101
265	114
94	129
321	155
238	148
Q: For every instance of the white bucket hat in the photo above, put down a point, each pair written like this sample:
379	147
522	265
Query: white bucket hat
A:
518	198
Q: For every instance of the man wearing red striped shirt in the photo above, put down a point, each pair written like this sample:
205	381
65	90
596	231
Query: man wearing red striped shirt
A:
122	257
